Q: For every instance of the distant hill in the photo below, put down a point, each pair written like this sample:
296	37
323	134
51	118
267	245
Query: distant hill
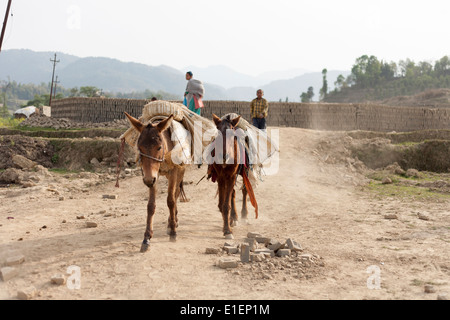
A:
221	83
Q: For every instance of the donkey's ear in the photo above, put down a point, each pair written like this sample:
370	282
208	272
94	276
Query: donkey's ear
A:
135	122
216	119
163	125
235	121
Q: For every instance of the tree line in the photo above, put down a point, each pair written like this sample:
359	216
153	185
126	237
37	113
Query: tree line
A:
15	95
381	79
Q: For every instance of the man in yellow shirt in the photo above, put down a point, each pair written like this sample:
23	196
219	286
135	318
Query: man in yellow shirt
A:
259	110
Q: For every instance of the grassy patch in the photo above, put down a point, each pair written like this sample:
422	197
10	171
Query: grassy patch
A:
62	171
10	122
402	191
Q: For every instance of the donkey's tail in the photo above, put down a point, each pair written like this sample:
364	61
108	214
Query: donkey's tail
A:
182	193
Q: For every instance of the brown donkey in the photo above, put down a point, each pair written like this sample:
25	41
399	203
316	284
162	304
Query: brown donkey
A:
154	145
228	164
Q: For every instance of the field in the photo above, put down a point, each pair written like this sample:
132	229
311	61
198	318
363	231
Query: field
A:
361	239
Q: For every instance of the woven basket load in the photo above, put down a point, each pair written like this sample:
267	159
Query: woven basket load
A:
184	120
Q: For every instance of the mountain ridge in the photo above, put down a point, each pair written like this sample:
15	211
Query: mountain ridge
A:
109	74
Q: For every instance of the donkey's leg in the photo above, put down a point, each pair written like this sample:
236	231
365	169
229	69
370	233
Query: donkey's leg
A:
151	206
244	211
233	215
172	204
226	210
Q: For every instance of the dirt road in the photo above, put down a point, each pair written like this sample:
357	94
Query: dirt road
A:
355	252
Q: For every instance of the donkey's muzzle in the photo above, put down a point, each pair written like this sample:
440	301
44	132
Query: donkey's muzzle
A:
149	182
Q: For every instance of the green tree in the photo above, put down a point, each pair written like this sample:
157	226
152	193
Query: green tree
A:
307	96
89	91
324	90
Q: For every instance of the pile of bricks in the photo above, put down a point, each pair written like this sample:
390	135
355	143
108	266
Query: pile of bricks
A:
254	248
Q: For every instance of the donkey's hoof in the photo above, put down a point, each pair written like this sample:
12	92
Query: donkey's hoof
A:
235	223
145	247
173	238
229	236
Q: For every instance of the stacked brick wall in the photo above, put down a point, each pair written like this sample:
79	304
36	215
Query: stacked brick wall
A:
319	116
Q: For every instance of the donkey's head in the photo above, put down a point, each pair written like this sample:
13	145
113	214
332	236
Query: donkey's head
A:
151	147
228	152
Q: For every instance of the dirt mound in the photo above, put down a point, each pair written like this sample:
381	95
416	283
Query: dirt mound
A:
429	98
37	150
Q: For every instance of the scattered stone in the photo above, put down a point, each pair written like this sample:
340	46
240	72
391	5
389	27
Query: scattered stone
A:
15	260
307	256
226	263
429	288
58	279
283	252
7	273
28	184
64	221
80	217
110	196
391	216
11	175
253	235
386	180
423	217
212	251
293	245
90	224
26	293
61	198
23	163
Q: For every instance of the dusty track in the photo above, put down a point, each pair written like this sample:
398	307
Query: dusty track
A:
318	203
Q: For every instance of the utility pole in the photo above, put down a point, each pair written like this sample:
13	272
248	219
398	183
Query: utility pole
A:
56	83
53	77
4	24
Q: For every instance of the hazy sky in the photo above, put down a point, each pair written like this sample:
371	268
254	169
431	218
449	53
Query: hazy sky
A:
249	36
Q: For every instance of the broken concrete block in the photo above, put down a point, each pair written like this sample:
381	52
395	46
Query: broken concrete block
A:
8	273
274	245
265	251
230	249
252	243
293	245
226	263
15	260
245	252
253	235
262	239
283	252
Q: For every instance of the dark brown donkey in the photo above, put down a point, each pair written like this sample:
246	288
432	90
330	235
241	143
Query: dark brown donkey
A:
154	145
228	164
